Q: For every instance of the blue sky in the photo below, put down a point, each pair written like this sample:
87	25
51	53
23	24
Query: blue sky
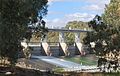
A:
60	12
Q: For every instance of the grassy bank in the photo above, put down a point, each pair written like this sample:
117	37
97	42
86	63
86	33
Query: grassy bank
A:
90	74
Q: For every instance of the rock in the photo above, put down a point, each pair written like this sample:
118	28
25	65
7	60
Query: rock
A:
8	73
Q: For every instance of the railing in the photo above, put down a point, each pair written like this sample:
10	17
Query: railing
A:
83	69
69	30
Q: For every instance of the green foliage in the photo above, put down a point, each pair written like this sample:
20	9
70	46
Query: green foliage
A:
107	42
53	37
112	13
70	37
14	18
106	37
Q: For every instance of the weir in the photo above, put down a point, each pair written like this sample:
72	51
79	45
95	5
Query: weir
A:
62	49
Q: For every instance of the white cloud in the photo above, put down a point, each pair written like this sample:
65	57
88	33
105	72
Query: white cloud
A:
57	22
61	0
98	4
89	1
79	17
93	7
98	1
54	12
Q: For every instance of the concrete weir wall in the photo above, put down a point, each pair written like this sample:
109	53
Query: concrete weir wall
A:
72	50
55	50
62	49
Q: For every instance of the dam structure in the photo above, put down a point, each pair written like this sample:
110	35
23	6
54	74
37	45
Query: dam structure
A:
61	48
46	56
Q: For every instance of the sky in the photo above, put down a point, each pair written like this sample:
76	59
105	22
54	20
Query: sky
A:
60	12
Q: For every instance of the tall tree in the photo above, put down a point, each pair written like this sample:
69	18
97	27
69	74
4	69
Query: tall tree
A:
106	39
14	18
106	34
111	15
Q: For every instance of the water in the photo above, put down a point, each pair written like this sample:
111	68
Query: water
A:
84	60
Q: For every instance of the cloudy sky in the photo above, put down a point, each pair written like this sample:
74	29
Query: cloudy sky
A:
62	11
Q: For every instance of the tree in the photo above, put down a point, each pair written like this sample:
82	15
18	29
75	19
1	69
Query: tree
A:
106	34
106	39
15	15
111	15
75	25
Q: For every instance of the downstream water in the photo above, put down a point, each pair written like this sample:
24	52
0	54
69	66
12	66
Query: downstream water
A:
84	60
87	60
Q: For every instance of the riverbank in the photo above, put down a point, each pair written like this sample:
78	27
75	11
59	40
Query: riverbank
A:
17	71
89	74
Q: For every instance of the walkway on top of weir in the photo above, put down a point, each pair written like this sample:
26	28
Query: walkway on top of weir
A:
67	30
